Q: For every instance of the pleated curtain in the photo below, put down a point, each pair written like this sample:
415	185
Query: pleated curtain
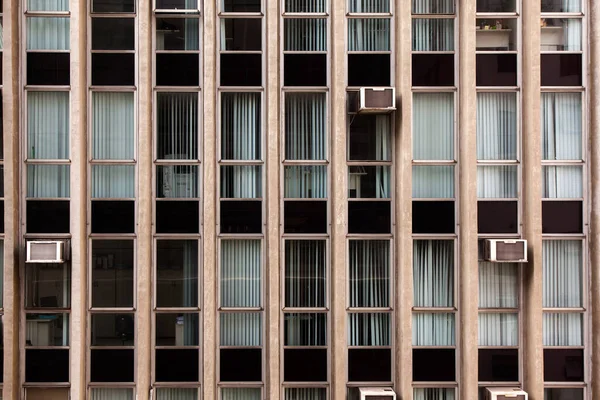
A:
240	329
561	122
113	181
369	329
433	394
496	126
305	126
433	329
177	126
433	126
572	34
111	394
305	6
305	329
240	126
305	181
241	181
305	394
305	273
305	34
433	181
497	181
560	182
240	394
176	393
48	33
432	34
48	181
433	6
369	273
368	34
47	5
433	273
563	329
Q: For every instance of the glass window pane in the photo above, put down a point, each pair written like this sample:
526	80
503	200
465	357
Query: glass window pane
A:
369	6
497	329
241	34
496	34
305	273
433	182
369	182
370	138
176	273
47	330
496	6
176	393
113	181
179	329
562	182
177	5
305	34
113	33
433	394
241	5
241	329
305	393
498	285
561	5
369	273
47	286
433	69
177	181
240	126
240	393
112	273
433	329
496	69
177	126
433	273
369	329
48	33
241	271
177	34
562	264
113	329
433	6
110	6
433	126
563	329
563	394
111	393
305	126
47	5
112	126
432	34
305	329
48	125
561	34
497	181
48	181
305	6
241	181
561	126
562	69
305	181
496	126
368	34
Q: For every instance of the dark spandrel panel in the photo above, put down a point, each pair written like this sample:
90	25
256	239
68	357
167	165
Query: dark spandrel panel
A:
177	217
438	365
241	216
1	216
177	69
1	122
561	69
497	217
369	217
433	217
241	70
496	6
241	365
562	216
499	365
48	365
433	69
176	4
48	69
369	365
177	365
113	34
297	360
113	6
305	217
496	70
369	70
241	6
563	365
563	394
110	365
113	69
113	216
305	70
48	216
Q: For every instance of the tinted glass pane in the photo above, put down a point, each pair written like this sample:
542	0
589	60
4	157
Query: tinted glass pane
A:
305	69
113	329
497	216
177	273
434	365
113	69
47	365
177	365
169	37
499	365
176	4
111	365
369	365
496	6
563	365
47	330
112	273
241	365
433	69
177	329
113	217
241	5
563	394
113	34
241	216
496	34
562	216
297	360
433	216
305	217
239	34
496	70
369	217
115	6
241	70
561	69
368	70
47	216
47	286
370	138
48	68
177	217
561	6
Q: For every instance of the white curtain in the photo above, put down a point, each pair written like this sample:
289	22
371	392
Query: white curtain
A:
111	394
433	394
305	329
433	126
562	266
498	285
48	181
431	181
432	34
496	126
240	126
433	7
383	138
498	329
433	329
305	181
47	5
177	181
305	394
369	6
572	34
241	181
113	181
433	273
240	394
497	181
305	273
305	34
563	329
48	33
305	126
112	126
48	125
562	182
561	126
369	273
176	393
241	273
241	329
368	34
369	329
177	126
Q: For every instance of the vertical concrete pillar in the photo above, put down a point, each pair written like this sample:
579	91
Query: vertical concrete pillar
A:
468	284
144	204
532	351
78	154
11	101
403	210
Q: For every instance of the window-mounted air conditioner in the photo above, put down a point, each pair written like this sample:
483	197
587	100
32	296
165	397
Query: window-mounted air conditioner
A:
46	251
506	250
376	100
377	393
505	394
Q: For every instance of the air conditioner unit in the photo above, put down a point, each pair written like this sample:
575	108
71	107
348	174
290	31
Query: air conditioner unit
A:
46	251
506	250
376	100
377	393
505	394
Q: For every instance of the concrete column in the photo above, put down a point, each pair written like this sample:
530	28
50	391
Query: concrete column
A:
78	154
532	351
145	227
594	203
209	214
272	196
403	210
339	201
468	284
11	101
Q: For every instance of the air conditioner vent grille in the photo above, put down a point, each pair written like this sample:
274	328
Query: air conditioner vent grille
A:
507	251
49	251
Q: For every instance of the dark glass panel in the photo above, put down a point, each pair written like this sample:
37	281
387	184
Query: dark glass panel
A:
369	70
112	273
305	217
499	365
241	365
177	217
177	69
176	4
48	216
433	216
369	365
241	216
113	34
112	365
113	69
177	365
497	217
563	394
433	69
113	216
113	329
241	6
241	34
1	215
297	360
113	6
563	365
305	70
562	216
369	217
241	70
48	365
436	365
496	70
48	69
561	69
496	6
177	273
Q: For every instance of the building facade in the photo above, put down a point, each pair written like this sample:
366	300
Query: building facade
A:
235	229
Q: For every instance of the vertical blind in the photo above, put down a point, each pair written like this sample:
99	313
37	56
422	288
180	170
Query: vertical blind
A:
560	182
369	273
433	329
497	181
433	273
305	273
433	126
112	126
368	34
496	126
431	181
498	285
241	273
48	33
305	6
305	329
176	393
241	181
48	125
240	126
305	126
432	34
113	181
111	394
498	329
48	181
369	6
241	329
433	6
47	5
561	126
305	394
177	126
305	181
305	34
240	394
562	266
369	329
433	394
563	329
